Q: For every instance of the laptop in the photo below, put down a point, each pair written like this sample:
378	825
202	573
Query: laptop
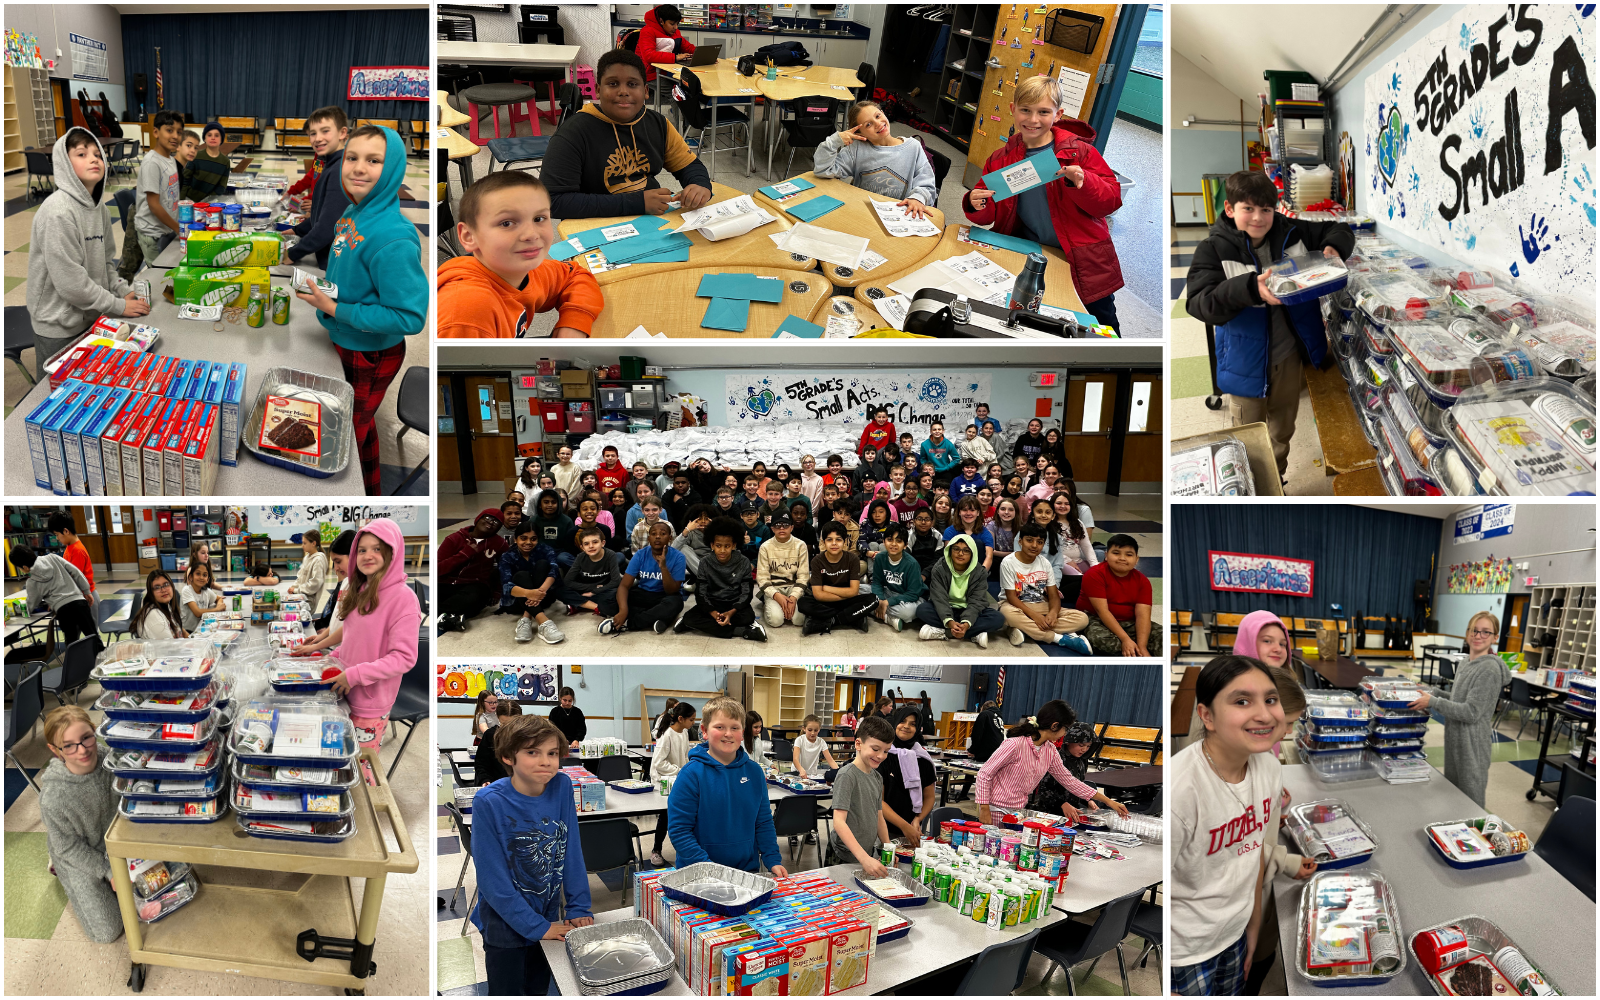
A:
705	55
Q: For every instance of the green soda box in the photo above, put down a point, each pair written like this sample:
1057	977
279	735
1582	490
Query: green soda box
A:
216	286
209	248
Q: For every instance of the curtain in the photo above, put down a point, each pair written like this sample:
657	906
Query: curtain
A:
1120	694
273	65
1366	560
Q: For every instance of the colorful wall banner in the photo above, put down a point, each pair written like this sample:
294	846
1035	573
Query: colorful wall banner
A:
1260	574
1480	576
412	519
1480	142
528	683
912	398
1489	521
390	83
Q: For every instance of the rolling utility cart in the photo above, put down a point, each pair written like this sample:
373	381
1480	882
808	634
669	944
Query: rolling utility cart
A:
250	917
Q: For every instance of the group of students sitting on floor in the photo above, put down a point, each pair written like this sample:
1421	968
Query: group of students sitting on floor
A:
603	163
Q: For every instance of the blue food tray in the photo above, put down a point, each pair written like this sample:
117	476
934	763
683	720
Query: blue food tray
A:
630	791
1352	737
213	786
1466	865
222	810
344	777
146	772
106	704
1309	294
165	746
155	685
347	831
310	687
348	808
902	932
270	759
1350	862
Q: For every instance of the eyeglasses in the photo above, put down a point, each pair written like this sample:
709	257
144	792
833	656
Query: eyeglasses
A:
1483	632
87	744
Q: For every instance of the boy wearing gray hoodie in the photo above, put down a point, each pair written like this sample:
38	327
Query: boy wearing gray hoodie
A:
55	582
72	268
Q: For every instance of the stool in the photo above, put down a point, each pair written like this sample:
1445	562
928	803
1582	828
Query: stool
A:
583	76
497	95
550	78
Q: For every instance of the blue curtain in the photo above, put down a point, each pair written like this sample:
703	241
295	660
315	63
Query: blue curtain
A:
273	65
1366	560
1121	694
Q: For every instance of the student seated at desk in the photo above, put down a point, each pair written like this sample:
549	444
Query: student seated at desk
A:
660	41
603	161
867	156
504	225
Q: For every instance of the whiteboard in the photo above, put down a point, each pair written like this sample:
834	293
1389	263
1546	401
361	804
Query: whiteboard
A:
1455	610
280	522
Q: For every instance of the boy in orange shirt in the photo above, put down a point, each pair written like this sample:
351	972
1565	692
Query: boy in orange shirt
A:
72	549
505	226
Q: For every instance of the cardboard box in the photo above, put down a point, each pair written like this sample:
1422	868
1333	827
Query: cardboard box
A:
217	286
135	371
219	248
54	453
34	425
161	376
72	438
173	437
182	372
150	447
199	454
230	415
92	442
111	442
761	970
576	376
576	390
78	370
201	380
132	446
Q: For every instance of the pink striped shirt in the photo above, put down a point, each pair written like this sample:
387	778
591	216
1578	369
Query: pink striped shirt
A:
1014	770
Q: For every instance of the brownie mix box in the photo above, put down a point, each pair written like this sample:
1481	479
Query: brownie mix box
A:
34	425
294	426
173	437
132	446
150	448
92	441
199	451
111	442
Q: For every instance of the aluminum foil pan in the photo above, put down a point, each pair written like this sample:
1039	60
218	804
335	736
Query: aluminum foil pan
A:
618	957
1484	938
337	399
718	888
920	893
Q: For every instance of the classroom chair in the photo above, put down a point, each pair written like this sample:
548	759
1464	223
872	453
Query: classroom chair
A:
995	966
19	337
815	118
783	751
1070	942
73	674
1147	924
693	105
26	706
41	164
411	406
868	76
609	844
1521	696
1567	843
531	148
106	608
413	702
549	33
610	769
794	817
941	814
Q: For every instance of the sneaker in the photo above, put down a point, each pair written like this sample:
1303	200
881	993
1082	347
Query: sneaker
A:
573	609
811	838
609	627
682	626
982	639
861	623
896	624
813	626
659	627
550	633
1016	636
448	623
1077	643
757	632
657	860
929	633
525	630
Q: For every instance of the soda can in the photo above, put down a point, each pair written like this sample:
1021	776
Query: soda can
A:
969	897
886	854
979	910
186	210
280	305
256	311
918	863
996	917
941	883
141	290
1012	914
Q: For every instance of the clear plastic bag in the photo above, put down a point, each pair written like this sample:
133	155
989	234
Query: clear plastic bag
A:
294	730
1350	932
176	896
1328	832
1531	437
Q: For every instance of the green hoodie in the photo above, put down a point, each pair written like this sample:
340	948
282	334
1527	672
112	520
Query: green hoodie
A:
964	595
958	579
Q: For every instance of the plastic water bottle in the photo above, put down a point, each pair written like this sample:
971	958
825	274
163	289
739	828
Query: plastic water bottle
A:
1028	292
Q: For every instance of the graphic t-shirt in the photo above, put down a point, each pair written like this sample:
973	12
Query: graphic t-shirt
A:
158	175
836	574
644	568
1029	580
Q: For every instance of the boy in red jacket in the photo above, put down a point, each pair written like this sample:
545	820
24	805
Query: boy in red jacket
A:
660	41
469	570
878	433
1067	212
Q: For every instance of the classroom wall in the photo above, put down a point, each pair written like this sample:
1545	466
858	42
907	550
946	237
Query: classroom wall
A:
1202	149
52	23
1537	528
587	25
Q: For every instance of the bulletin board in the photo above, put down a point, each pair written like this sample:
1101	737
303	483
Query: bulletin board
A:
1080	71
1454	611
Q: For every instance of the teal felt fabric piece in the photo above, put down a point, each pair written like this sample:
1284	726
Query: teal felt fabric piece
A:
727	314
798	327
751	287
808	211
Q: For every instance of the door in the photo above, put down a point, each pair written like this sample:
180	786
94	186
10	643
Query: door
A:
1516	617
487	410
61	100
1091	401
449	461
1143	459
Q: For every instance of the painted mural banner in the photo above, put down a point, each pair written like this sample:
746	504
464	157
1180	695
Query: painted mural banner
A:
1258	574
1492	520
390	83
411	518
1480	576
1480	141
528	683
912	398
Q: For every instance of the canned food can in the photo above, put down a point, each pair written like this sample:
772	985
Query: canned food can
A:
186	210
1442	948
1030	834
141	290
979	910
1008	848
944	830
1026	858
280	305
232	217
1521	972
1049	865
991	841
1506	364
256	311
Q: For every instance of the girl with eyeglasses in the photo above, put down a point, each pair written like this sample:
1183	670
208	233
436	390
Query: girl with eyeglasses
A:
77	805
1468	709
160	613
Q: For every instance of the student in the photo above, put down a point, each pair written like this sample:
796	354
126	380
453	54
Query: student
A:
759	748
1068	211
610	474
73	551
810	750
327	129
968	521
676	504
1032	597
529	582
565	472
664	719
198	595
976	447
845	512
554	527
155	217
878	432
590	583
718	810
774	505
618	511
209	167
835	596
663	482
528	481
383	295
77	805
896	580
800	514
1261	343
981	418
880	518
660	41
483	718
924	542
692	542
589	516
969	482
311	579
943	509
1004	526
1055	451
377	634
486	766
651	589
530	859
504	224
959	605
188	149
511	516
811	483
261	575
568	717
469	570
651	516
159	616
723	583
1263	636
1028	446
1225	780
1047	487
869	157
339	556
1117	599
1067	544
1012	772
1468	709
783	574
1073	750
755	534
908	777
670	755
603	161
858	822
939	452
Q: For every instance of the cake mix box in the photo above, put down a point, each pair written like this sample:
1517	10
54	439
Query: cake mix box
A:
215	248
808	961
132	447
293	426
226	392
216	286
111	442
199	454
34	425
761	969
91	440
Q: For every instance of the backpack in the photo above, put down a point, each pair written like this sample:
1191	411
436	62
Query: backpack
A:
783	54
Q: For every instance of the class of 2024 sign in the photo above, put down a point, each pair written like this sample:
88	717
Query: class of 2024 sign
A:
1257	574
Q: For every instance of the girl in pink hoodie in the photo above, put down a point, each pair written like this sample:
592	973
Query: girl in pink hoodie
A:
381	616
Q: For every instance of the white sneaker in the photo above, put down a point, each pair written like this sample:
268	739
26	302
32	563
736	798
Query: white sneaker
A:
1016	636
524	629
930	633
897	624
657	860
550	633
982	639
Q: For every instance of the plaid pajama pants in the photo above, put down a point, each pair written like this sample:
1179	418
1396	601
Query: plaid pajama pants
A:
1219	976
369	373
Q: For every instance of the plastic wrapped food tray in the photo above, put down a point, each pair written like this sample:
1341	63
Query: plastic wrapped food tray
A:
1310	825
324	832
632	786
174	897
1393	296
1220	468
1471	843
1350	932
134	788
112	703
624	957
142	811
1339	766
1390	694
156	679
268	779
1439	355
245	805
1530	437
1563	347
899	924
337	399
920	893
164	764
244	741
301	674
1492	302
718	888
1401	768
204	731
1483	941
1436	454
1306	278
152	881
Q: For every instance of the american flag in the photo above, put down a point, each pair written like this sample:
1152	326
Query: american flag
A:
160	94
1000	687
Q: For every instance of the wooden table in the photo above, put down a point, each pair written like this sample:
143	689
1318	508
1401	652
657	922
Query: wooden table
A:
1126	778
448	116
666	303
460	149
1343	673
538	56
753	249
1058	288
721	79
844	305
856	217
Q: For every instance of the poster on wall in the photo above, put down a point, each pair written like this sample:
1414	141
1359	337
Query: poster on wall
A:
1489	521
390	83
528	683
411	518
1481	576
912	398
88	58
1480	141
1257	574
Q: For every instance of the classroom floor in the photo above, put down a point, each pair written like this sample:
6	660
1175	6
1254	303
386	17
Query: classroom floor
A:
493	635
1191	379
461	971
1135	229
398	459
40	928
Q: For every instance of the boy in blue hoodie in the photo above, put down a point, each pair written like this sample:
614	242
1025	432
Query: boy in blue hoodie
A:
530	581
376	264
528	855
327	129
718	810
968	483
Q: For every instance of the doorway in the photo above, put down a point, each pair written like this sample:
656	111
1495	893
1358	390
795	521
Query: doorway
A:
1516	617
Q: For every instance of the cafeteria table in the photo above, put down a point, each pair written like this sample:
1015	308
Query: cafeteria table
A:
1551	921
1126	778
667	303
902	254
1344	673
1058	287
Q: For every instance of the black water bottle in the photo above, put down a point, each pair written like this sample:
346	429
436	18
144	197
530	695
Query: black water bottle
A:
1028	292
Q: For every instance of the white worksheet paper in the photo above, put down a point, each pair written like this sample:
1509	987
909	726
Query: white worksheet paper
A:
825	244
898	222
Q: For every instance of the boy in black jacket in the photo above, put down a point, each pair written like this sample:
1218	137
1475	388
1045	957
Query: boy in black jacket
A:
722	606
328	128
923	542
591	582
1261	343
